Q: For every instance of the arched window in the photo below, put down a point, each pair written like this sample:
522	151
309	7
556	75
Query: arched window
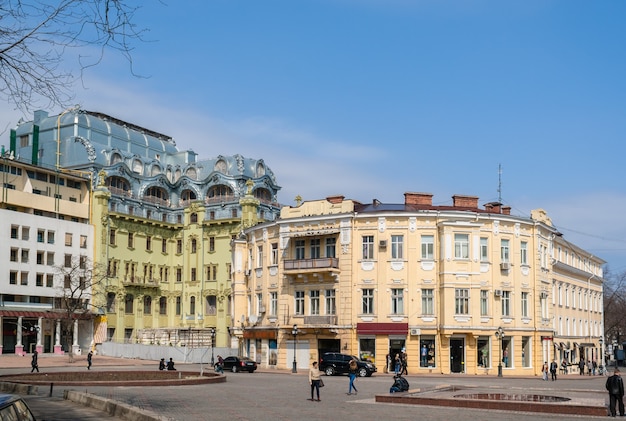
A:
115	158
192	305
137	166
191	173
163	306
111	298
156	195
128	304
220	192
263	195
155	170
260	170
193	218
221	166
118	185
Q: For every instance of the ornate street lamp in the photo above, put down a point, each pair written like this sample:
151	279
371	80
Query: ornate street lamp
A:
212	347
294	332
500	336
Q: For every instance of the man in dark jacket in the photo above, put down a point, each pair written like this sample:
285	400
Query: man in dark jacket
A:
399	385
615	386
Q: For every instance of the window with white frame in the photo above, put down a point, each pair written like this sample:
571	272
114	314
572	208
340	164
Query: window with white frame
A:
506	303
428	247
524	304
368	247
523	253
461	301
273	303
504	251
428	301
259	256
330	247
259	302
274	254
484	302
299	245
461	246
368	301
397	242
397	301
315	248
315	302
484	249
299	303
330	302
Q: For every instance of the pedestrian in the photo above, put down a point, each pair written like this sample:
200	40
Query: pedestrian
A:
589	367
315	378
594	366
387	364
553	368
170	365
404	364
162	364
544	370
34	363
615	387
352	370
89	356
581	367
397	364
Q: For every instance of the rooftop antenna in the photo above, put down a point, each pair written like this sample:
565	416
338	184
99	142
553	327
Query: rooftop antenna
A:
499	183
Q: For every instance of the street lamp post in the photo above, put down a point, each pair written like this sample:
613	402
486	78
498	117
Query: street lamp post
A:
500	336
294	332
212	347
601	342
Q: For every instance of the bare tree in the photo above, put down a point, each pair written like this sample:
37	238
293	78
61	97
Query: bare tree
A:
615	307
36	35
81	281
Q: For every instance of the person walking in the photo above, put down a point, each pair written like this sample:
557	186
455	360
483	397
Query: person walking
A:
553	368
544	370
315	377
352	370
589	367
34	363
615	387
581	367
397	364
89	357
404	364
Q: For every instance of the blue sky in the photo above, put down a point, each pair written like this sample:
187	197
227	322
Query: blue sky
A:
374	98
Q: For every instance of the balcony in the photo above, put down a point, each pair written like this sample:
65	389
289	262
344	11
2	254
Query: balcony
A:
140	281
325	269
320	320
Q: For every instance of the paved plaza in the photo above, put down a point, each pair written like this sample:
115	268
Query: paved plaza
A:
282	395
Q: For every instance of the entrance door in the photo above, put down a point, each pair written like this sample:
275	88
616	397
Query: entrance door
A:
457	355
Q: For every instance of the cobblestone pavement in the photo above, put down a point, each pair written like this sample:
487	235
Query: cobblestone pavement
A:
281	395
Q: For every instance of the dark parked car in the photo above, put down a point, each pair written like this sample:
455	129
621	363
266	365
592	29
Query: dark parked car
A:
335	363
236	364
14	408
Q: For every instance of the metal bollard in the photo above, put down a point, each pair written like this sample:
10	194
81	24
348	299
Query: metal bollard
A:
51	387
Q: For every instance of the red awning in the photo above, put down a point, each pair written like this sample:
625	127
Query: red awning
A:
382	328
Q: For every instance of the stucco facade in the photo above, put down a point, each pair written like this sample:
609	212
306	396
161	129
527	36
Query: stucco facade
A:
435	282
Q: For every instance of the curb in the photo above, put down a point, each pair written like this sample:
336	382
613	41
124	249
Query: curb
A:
113	408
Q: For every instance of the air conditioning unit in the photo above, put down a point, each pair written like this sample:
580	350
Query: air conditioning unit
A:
415	332
498	293
505	266
382	244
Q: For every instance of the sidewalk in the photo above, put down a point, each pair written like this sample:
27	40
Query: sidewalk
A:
53	360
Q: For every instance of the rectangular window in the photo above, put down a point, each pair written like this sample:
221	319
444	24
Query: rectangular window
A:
67	262
524	304
484	249
330	247
299	303
24	258
524	253
299	249
506	303
131	240
273	303
526	351
164	246
397	245
25	233
368	247
315	302
461	246
368	301
41	236
13	278
49	280
193	275
259	256
82	262
24	278
112	237
178	306
330	302
68	239
13	254
39	280
148	243
274	254
50	237
83	241
179	275
504	251
179	246
50	258
15	232
428	301
461	301
40	257
211	243
397	301
193	246
315	248
484	302
428	247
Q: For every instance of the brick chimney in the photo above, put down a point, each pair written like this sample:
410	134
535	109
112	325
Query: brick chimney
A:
494	207
335	199
461	201
411	198
506	210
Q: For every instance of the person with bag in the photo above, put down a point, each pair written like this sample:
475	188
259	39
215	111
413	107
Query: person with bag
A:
352	371
315	380
615	387
34	362
553	367
544	371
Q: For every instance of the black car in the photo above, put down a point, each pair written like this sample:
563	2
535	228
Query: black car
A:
335	363
14	408
236	364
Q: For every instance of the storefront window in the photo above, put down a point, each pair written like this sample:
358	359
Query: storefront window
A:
273	347
367	349
427	351
526	352
507	355
484	359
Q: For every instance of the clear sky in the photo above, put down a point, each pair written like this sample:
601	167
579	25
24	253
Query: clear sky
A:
374	98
